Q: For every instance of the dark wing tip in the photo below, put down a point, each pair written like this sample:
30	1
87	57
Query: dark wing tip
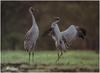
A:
83	31
46	32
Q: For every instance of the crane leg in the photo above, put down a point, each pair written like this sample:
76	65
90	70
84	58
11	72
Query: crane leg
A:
33	47
32	56
29	56
59	56
61	53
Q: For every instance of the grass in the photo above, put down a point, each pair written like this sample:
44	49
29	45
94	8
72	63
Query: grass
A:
49	57
70	59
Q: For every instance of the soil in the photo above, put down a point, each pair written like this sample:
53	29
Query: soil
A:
24	67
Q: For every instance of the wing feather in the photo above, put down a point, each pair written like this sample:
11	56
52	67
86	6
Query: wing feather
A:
28	41
69	34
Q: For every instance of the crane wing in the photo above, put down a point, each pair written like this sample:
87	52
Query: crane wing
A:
28	36
28	40
69	34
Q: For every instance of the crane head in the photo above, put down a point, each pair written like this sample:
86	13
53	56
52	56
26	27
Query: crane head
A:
30	9
33	9
56	18
49	30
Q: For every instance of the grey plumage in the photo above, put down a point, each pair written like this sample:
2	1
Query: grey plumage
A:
57	37
64	39
69	35
31	36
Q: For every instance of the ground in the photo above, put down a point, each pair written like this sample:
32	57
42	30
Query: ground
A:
46	61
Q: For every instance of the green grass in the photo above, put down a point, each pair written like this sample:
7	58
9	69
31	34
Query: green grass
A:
46	60
49	57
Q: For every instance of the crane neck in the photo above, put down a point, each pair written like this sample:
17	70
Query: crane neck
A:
33	18
56	22
57	28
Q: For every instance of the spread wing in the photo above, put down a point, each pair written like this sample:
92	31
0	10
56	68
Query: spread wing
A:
69	34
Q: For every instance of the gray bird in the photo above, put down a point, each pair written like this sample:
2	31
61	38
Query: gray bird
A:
64	39
31	36
71	33
57	37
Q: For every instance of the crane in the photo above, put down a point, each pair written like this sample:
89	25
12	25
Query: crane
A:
64	39
31	36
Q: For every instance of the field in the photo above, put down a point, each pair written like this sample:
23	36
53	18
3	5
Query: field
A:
46	61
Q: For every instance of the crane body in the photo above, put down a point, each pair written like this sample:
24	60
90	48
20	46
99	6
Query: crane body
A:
64	39
31	36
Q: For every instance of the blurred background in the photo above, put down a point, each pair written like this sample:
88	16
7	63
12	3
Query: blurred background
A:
16	21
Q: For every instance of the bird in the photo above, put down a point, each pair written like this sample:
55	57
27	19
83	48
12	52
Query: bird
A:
63	39
72	33
56	36
31	36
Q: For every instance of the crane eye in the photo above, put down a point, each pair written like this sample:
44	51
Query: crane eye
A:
56	18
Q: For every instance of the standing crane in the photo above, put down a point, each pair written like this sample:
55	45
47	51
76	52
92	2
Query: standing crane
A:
31	36
64	39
